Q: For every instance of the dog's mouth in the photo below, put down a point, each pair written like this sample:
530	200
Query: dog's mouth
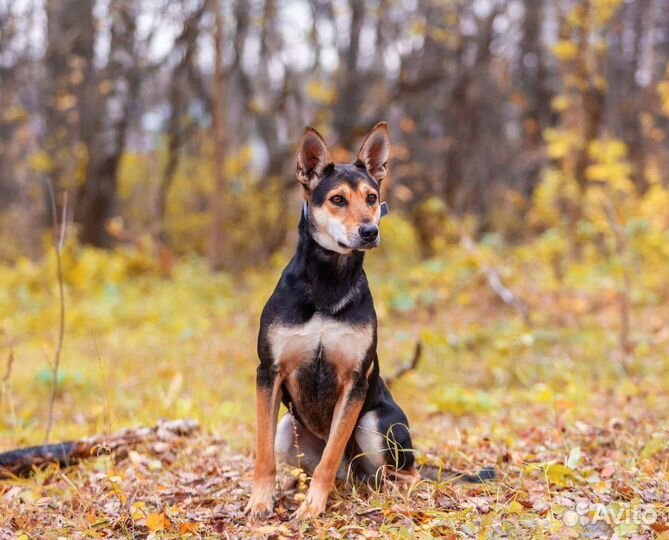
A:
360	246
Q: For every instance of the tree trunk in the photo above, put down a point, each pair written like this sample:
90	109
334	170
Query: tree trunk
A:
69	87
218	102
346	118
106	144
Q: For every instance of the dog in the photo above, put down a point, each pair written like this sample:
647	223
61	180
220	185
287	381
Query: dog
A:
318	336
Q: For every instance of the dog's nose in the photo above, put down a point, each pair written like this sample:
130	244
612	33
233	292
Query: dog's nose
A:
369	232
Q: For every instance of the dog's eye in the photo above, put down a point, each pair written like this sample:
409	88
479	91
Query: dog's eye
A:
338	200
371	199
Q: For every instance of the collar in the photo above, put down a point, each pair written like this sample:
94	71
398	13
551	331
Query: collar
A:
384	209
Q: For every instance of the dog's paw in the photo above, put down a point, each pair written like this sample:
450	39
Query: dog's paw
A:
260	503
313	506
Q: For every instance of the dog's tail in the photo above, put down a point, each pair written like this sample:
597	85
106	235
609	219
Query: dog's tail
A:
425	472
438	474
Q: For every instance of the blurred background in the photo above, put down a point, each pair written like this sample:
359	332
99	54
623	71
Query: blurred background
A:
528	185
167	118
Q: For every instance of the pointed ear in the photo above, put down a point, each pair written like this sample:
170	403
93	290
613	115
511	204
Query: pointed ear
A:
375	150
313	158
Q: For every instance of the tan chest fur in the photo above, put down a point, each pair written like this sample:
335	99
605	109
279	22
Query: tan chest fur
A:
324	347
344	345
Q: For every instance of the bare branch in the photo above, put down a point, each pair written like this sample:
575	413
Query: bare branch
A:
8	369
497	285
625	291
58	244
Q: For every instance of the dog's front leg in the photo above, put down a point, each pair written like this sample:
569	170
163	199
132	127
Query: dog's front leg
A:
345	416
268	399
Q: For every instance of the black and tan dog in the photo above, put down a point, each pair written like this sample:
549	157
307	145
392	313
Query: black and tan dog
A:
317	340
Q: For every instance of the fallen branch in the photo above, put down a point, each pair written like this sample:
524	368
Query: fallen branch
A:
23	461
410	366
497	285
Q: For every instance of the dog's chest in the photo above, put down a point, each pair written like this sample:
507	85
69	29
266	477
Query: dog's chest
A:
338	343
316	359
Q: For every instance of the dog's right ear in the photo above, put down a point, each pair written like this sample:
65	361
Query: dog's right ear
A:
313	157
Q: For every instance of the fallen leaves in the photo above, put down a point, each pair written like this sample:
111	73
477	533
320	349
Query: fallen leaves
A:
202	494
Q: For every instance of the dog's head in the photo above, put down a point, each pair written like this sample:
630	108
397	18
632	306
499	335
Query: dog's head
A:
344	205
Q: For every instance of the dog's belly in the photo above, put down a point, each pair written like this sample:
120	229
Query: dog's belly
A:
316	360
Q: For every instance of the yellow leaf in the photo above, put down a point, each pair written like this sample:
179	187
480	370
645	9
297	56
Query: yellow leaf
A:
189	528
320	92
138	510
561	475
515	507
157	522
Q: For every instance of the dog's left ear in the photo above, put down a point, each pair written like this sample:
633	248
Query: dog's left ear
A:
375	150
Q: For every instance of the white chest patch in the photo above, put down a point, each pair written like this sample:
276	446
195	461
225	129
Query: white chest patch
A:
343	344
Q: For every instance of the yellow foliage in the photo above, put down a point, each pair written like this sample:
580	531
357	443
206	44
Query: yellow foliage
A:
604	10
565	50
320	92
561	103
560	143
554	187
41	162
610	165
663	91
237	163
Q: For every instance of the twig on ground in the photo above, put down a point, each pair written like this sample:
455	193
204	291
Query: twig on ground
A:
61	330
106	385
22	461
5	394
410	366
8	369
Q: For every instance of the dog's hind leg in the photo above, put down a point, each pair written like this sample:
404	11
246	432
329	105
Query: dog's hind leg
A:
297	446
383	440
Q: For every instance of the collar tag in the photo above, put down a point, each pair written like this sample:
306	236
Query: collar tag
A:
305	210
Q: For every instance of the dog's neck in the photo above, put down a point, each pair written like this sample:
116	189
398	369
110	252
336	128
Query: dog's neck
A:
332	279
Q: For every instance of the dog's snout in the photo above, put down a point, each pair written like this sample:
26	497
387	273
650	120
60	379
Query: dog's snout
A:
369	232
